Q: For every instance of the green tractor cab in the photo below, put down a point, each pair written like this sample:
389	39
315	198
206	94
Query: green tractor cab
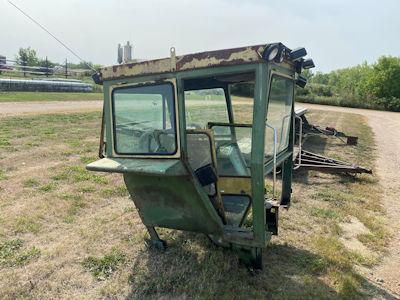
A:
193	157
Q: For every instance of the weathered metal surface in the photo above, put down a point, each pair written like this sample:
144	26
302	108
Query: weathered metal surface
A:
235	185
234	56
156	167
172	202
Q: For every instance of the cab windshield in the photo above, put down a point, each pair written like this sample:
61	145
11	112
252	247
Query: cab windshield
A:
144	120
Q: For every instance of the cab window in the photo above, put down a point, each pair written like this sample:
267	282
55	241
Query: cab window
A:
204	106
144	120
279	114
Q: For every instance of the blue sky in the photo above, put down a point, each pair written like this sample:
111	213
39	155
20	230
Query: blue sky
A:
335	33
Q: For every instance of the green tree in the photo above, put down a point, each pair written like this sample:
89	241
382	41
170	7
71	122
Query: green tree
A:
321	78
384	81
46	63
307	74
27	56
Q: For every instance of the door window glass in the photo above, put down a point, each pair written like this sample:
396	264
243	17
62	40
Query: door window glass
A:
279	114
203	106
144	120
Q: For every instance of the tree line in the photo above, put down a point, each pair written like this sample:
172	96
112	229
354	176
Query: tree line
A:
29	57
375	85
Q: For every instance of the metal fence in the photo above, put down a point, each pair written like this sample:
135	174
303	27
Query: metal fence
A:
44	85
22	68
43	78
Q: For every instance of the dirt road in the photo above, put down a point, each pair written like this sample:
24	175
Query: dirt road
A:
29	108
386	127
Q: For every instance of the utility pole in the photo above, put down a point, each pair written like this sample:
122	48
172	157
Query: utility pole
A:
47	67
24	64
66	68
120	54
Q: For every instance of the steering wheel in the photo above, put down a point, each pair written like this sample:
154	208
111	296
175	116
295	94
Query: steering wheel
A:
149	141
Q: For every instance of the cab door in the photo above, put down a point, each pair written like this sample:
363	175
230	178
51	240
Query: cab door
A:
143	143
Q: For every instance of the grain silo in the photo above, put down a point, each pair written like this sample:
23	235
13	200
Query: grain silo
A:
127	52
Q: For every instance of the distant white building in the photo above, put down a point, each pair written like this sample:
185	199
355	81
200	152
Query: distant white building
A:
124	53
127	52
120	54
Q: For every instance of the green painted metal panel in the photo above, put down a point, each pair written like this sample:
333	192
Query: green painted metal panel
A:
182	117
161	167
257	153
172	202
107	118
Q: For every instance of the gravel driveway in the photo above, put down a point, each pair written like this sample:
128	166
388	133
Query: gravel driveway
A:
386	128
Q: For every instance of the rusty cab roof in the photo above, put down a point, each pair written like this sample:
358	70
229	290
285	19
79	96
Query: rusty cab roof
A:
225	57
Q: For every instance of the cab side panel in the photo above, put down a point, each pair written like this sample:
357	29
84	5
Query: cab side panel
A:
172	202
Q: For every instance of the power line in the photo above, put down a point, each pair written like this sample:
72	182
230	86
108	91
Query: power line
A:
52	35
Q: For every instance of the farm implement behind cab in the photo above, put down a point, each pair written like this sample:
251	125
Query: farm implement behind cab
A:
312	161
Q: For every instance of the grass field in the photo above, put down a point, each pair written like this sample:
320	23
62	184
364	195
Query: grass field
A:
44	96
69	233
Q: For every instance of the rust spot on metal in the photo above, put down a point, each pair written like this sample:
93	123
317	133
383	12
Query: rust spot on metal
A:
223	57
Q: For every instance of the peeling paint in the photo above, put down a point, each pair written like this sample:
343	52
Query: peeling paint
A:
243	55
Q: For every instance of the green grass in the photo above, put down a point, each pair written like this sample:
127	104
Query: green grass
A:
26	224
2	174
31	183
118	191
4	142
48	187
103	267
44	96
76	203
324	213
77	174
26	256
12	255
9	248
87	189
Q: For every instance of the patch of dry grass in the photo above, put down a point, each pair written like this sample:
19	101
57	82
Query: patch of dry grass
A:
83	226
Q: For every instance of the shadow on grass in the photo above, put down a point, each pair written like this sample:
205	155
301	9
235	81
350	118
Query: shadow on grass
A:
316	143
302	176
192	267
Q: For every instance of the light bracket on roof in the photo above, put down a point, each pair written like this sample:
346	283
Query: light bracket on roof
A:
308	64
274	52
298	53
301	81
97	78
